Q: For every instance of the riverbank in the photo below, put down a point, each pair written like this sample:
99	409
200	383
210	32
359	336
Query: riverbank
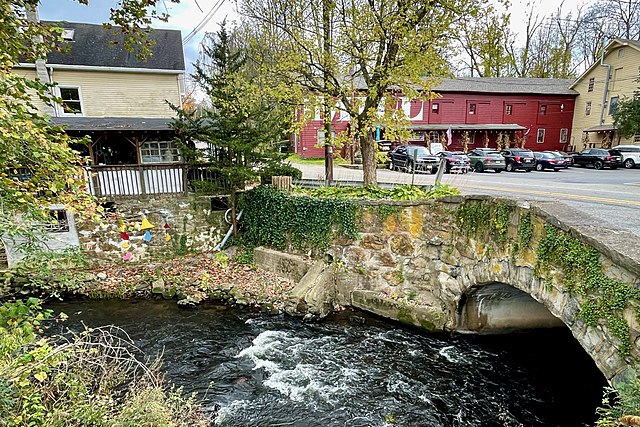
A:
189	280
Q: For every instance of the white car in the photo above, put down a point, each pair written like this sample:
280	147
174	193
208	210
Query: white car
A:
630	155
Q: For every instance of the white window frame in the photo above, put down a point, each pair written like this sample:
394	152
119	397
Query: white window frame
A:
320	136
636	138
435	108
621	52
147	156
587	108
508	109
613	106
538	139
563	135
60	108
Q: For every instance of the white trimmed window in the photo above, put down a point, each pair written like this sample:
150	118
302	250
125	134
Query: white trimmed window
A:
563	135
320	136
540	138
636	138
159	152
71	98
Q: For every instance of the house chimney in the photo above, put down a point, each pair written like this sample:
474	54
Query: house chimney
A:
41	67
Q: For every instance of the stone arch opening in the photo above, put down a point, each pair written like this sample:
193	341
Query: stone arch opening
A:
497	307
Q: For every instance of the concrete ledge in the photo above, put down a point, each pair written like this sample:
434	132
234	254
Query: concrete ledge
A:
284	265
424	317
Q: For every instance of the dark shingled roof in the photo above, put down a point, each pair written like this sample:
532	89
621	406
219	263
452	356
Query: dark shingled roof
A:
91	46
93	124
524	86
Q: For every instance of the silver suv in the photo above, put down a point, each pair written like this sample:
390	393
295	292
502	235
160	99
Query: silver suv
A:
630	155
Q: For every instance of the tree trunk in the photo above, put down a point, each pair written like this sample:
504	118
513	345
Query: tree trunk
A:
327	100
368	159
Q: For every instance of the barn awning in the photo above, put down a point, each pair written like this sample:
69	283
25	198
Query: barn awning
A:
601	128
467	127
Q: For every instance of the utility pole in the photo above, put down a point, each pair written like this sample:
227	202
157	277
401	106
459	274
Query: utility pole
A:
327	99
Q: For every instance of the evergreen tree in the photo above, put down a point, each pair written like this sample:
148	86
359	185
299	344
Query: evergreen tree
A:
243	126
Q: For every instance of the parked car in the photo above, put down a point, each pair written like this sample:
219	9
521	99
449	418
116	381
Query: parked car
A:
482	159
567	156
549	160
519	158
599	158
455	161
412	158
630	155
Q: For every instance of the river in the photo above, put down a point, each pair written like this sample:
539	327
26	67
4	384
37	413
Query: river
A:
355	370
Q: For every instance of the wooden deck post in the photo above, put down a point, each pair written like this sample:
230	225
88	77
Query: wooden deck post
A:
281	182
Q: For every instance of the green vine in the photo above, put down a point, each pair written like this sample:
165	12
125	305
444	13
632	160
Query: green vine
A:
605	298
480	218
276	218
385	211
525	230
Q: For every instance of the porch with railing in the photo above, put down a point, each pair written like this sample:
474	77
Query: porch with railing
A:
151	179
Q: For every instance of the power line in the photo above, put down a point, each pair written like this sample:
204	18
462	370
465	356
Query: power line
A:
214	9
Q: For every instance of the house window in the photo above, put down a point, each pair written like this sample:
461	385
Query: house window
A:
592	81
613	105
563	135
71	100
435	108
159	152
434	137
543	109
587	109
59	223
67	34
540	138
321	136
621	52
509	109
636	138
472	108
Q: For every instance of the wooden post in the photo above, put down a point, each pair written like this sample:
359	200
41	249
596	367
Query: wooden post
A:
281	182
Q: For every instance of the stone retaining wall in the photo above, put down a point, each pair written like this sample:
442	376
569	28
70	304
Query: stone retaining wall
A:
179	224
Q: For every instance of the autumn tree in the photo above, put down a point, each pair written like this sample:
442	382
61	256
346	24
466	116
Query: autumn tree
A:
374	46
484	42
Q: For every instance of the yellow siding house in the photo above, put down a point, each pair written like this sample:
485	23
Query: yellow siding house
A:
600	89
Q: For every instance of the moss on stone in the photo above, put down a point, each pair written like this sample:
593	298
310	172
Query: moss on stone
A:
427	325
404	316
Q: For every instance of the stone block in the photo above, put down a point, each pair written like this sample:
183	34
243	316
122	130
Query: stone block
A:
373	241
401	244
285	265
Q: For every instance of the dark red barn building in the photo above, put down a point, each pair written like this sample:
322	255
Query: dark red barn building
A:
538	110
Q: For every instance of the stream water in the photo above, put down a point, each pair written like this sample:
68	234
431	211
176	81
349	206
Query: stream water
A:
355	370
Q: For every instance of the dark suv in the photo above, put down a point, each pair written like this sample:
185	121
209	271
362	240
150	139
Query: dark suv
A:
518	158
412	158
599	158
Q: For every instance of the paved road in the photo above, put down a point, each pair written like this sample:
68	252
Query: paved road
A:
611	196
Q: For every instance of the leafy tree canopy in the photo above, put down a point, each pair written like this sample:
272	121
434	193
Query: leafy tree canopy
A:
627	116
373	47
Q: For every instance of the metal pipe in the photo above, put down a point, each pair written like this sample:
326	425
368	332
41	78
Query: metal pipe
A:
226	236
606	82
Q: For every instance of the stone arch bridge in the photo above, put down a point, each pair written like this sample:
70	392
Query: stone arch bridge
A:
482	264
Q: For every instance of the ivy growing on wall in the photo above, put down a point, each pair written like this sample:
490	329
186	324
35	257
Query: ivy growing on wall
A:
479	218
604	298
275	218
